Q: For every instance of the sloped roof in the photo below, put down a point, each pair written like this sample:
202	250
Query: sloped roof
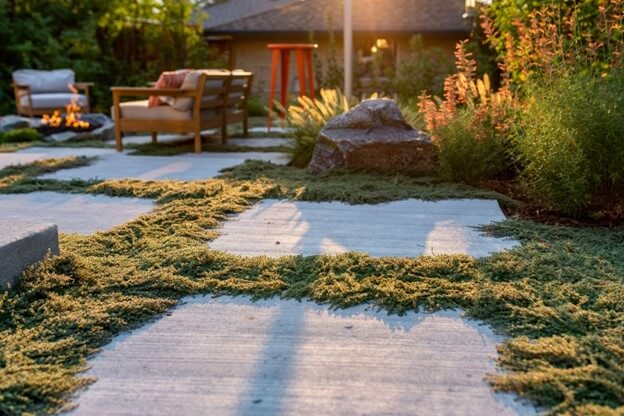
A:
322	15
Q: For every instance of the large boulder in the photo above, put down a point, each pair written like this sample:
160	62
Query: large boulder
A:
373	136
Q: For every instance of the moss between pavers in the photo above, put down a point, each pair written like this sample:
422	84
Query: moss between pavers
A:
559	296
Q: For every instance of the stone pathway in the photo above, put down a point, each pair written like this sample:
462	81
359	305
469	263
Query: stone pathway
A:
403	228
230	356
73	213
114	165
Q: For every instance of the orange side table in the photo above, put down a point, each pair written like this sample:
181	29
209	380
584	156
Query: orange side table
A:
281	53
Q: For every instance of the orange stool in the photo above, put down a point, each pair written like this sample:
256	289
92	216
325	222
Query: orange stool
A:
281	52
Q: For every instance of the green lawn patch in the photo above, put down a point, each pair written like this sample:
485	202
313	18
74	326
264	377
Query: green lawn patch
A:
559	296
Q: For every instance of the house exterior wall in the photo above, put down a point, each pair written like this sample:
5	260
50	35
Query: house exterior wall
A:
251	52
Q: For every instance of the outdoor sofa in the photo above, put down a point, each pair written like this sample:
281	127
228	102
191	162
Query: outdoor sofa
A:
40	92
207	99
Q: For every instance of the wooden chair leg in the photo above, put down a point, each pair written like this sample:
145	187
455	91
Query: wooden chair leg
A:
154	137
224	134
246	126
198	141
118	142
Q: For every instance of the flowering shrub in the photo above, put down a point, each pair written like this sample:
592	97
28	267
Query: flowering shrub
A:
471	124
557	118
570	138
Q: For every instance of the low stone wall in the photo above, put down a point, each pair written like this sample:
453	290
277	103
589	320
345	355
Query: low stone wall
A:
22	245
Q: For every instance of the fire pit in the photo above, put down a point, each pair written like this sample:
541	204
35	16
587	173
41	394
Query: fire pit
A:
70	121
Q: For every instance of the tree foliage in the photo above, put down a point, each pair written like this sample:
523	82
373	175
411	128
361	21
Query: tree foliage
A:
110	42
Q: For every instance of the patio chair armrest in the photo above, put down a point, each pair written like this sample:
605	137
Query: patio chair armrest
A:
20	86
144	91
21	90
84	85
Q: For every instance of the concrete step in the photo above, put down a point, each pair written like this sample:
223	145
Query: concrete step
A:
23	244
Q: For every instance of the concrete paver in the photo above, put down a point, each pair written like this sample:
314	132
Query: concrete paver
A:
230	356
73	213
403	228
114	165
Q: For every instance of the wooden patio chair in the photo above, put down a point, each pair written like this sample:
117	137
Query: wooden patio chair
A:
40	92
202	107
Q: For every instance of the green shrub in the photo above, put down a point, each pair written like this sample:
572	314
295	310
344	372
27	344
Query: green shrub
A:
424	68
470	148
572	141
20	135
256	107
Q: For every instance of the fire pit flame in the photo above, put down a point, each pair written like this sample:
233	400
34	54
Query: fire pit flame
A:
72	117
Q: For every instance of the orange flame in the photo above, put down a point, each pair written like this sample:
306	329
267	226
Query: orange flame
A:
72	114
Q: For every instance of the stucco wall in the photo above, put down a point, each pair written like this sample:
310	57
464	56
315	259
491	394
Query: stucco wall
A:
252	54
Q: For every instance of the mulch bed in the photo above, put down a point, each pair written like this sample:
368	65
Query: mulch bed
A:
609	214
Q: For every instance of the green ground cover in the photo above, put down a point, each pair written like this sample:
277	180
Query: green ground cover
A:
559	296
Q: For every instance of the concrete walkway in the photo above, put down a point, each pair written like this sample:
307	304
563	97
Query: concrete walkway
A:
83	214
403	228
230	356
114	165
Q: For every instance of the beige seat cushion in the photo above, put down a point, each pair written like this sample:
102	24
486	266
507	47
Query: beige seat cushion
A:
138	110
53	100
45	81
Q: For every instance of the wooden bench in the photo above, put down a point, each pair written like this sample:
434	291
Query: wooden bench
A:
219	98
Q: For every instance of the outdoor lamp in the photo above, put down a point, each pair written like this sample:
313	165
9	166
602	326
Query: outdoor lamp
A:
470	10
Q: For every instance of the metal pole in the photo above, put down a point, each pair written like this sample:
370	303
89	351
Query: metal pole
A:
348	48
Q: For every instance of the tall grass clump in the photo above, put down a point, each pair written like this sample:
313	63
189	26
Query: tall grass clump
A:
470	124
307	118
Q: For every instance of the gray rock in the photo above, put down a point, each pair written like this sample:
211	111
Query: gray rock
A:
104	133
12	122
22	245
373	136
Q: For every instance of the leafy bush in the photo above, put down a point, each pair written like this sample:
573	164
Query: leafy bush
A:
572	141
20	135
423	69
256	107
122	42
470	149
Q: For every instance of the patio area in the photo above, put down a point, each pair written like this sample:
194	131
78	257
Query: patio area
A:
286	207
274	356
